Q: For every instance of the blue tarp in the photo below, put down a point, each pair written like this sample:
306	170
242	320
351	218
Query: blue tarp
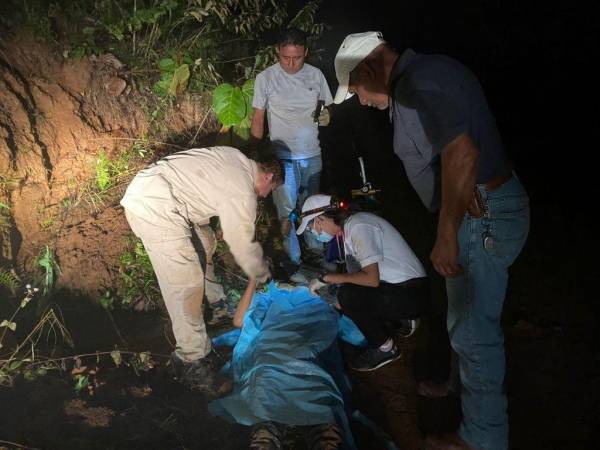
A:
286	364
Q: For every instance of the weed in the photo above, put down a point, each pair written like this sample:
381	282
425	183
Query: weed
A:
48	263
139	287
9	280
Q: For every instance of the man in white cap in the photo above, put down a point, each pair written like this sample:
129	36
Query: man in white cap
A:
446	137
385	283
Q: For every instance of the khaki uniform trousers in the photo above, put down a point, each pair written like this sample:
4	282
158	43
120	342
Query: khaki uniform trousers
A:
181	277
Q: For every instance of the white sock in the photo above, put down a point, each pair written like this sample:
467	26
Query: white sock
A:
387	345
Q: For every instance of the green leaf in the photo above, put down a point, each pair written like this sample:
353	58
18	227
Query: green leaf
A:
248	91
161	87
14	365
229	104
10	325
81	381
116	357
167	65
4	206
180	80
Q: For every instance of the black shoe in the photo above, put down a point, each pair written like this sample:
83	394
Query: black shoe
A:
408	327
201	375
373	358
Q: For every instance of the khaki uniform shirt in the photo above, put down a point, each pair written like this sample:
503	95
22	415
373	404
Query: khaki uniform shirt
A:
194	185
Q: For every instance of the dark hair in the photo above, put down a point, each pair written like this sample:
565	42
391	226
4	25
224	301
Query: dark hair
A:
339	216
292	36
269	163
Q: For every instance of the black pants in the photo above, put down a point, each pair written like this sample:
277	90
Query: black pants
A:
378	311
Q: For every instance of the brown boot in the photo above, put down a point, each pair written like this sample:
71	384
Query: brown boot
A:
451	441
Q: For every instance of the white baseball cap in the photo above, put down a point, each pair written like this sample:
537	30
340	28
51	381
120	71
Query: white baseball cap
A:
313	202
353	50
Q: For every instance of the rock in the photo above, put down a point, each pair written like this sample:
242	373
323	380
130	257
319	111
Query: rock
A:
115	86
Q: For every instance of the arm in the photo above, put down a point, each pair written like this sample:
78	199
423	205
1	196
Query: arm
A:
257	128
237	218
368	276
242	307
459	170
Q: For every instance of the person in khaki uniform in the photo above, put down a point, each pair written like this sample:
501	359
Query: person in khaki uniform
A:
168	206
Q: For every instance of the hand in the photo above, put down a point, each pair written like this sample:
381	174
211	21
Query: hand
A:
314	285
325	117
444	257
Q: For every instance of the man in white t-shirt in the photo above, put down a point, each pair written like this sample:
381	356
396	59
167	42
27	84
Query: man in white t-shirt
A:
385	282
289	92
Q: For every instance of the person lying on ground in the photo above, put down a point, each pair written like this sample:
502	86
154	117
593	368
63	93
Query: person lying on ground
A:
385	282
168	206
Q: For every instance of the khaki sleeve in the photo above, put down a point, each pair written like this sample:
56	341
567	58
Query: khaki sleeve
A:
237	218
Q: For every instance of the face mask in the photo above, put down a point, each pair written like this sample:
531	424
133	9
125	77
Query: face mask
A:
322	237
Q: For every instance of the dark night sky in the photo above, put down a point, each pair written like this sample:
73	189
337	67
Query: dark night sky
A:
533	59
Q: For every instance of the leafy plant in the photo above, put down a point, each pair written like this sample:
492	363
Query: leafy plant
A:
110	173
139	287
48	262
24	357
174	78
9	280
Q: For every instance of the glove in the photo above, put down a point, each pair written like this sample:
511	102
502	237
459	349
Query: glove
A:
324	117
314	285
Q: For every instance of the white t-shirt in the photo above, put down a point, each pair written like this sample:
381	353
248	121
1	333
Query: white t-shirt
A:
290	101
370	239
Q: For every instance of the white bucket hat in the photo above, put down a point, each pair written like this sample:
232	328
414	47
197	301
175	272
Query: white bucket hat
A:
313	202
353	50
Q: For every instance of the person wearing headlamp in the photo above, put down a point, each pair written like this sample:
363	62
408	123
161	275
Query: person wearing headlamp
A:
385	282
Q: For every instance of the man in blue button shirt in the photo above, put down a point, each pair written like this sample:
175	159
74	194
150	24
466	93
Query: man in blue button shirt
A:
447	139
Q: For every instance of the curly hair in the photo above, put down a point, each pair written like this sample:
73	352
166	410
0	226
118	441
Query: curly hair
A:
269	163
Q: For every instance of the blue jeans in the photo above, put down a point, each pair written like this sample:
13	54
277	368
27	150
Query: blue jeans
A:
302	179
487	246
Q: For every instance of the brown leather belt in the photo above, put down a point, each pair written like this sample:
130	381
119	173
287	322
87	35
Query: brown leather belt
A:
477	207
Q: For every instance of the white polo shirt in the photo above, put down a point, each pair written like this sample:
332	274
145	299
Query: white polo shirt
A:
290	101
370	239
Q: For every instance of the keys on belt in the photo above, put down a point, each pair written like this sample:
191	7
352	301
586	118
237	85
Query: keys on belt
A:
477	208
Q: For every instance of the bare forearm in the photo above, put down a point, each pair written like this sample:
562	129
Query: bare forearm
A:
459	172
244	304
368	276
257	127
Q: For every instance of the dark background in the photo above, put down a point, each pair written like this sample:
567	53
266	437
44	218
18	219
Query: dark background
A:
534	60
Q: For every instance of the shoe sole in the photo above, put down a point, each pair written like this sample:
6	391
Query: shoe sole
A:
381	364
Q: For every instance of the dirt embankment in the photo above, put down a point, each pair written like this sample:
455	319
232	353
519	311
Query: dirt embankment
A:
56	116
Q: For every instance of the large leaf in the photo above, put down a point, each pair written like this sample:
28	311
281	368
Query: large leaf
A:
180	80
167	65
248	91
229	104
161	87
